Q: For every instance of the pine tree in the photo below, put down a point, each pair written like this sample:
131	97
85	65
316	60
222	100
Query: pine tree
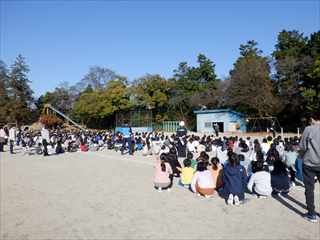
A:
20	91
4	95
251	89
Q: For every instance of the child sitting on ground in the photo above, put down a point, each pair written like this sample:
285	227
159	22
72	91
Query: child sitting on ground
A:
279	178
203	157
234	180
202	181
172	159
194	162
216	171
186	173
260	181
163	174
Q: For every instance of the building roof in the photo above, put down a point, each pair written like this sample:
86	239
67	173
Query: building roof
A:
218	111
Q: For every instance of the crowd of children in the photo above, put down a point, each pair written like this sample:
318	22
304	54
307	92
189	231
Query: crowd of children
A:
236	166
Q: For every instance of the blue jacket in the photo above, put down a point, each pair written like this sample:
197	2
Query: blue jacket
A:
234	181
126	132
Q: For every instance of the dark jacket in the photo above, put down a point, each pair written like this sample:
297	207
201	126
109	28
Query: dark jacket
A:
181	132
172	159
234	181
280	182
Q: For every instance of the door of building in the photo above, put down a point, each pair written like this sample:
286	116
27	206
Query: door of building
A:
220	124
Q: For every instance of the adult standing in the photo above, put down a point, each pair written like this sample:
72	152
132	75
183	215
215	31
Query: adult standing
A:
182	141
216	129
45	140
127	134
273	129
19	135
3	137
310	149
12	138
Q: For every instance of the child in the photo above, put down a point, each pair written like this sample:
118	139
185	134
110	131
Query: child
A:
216	171
260	181
172	159
193	161
290	157
202	181
222	154
203	157
186	173
234	180
279	178
163	174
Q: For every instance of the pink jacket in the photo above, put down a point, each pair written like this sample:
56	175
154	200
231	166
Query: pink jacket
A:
159	175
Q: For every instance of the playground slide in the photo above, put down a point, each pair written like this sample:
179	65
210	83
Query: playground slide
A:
65	117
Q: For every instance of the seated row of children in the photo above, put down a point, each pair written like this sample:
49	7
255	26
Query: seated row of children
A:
230	180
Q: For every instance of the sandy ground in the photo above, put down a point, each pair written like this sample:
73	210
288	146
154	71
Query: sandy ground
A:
102	195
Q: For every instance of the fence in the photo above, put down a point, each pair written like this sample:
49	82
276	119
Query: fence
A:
135	118
167	126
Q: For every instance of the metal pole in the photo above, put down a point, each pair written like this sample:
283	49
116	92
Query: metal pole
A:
281	133
298	132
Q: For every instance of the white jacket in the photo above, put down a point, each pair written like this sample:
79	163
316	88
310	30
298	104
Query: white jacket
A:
45	135
3	134
12	134
204	180
262	183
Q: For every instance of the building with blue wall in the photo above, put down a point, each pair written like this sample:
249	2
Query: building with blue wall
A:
227	120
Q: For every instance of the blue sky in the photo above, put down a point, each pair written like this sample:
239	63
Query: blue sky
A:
62	39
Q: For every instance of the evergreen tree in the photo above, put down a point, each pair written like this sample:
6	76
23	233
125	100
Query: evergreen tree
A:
4	94
251	89
296	75
20	91
193	86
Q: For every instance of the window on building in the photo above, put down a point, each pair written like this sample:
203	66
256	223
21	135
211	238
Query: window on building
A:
208	124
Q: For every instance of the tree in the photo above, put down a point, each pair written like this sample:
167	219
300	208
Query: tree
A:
250	49
152	92
312	90
60	98
290	66
193	86
297	84
87	107
4	95
251	89
20	91
115	98
311	83
97	77
98	107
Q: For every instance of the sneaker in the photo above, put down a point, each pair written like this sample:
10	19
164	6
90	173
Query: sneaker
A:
311	218
230	199
236	200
